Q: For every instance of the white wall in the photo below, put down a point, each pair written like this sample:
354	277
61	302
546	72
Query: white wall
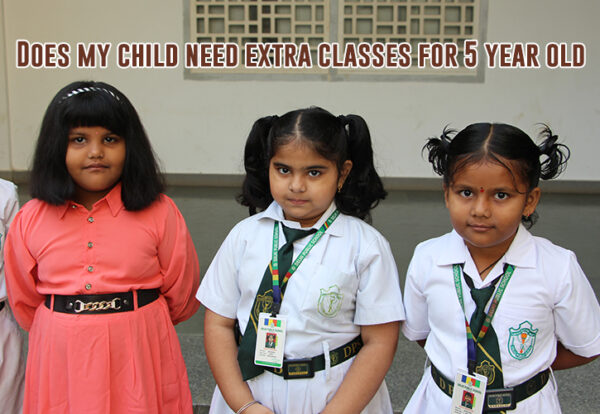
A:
199	126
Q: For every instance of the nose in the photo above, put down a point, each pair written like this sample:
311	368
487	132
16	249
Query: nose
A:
95	150
481	206
297	184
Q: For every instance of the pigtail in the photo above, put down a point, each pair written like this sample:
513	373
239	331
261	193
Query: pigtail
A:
363	188
438	150
556	154
256	192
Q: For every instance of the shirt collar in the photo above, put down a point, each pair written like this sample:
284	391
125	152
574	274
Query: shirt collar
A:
521	253
113	199
275	212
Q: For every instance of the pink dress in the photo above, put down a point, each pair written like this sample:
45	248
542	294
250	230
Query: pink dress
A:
127	362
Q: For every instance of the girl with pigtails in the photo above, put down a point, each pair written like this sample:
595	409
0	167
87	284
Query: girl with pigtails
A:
308	269
495	307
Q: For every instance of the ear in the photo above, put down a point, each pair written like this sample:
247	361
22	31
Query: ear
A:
344	171
531	202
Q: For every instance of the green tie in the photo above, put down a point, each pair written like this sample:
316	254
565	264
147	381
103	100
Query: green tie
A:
488	359
264	302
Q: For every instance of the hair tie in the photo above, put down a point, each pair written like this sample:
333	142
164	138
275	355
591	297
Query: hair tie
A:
343	119
88	89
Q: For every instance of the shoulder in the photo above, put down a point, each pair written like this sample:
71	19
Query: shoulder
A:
356	229
552	258
432	247
8	191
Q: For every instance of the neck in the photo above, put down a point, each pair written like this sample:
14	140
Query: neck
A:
485	258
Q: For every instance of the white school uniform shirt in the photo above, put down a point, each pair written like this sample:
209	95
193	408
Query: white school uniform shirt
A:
548	292
12	360
351	259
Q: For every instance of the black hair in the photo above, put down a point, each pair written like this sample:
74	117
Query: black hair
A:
337	139
494	141
87	104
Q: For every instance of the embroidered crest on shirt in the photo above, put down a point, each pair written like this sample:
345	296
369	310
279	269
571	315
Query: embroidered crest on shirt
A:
521	340
330	301
487	369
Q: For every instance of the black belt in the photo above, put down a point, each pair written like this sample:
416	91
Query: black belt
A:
1	305
101	304
306	367
498	399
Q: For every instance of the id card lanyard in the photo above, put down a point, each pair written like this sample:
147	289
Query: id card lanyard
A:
471	341
275	263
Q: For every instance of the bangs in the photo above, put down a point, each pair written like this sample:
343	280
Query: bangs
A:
95	109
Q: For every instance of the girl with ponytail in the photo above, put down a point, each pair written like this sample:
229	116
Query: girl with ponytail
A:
311	177
507	336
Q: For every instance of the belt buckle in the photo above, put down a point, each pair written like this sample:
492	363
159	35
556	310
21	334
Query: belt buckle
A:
298	368
500	399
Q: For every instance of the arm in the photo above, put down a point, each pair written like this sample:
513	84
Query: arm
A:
179	265
566	359
221	352
368	369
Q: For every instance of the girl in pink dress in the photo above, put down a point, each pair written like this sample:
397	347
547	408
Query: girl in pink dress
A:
100	265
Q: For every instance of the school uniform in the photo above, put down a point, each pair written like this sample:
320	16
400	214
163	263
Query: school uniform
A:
547	294
352	263
12	360
123	362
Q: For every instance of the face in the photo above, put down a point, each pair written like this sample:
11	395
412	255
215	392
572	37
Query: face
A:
303	182
95	159
486	203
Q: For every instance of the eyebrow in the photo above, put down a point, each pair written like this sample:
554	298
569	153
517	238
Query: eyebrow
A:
310	167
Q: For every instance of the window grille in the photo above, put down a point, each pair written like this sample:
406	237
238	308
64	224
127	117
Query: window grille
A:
314	22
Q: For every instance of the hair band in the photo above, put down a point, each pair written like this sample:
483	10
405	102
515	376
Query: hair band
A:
88	89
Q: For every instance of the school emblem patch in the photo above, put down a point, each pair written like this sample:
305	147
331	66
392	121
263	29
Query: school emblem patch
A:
488	370
521	340
263	304
330	301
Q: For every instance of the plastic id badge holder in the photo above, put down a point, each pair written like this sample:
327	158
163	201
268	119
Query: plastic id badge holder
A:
270	340
468	396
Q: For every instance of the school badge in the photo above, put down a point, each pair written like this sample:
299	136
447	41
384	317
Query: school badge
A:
521	340
487	370
263	304
330	301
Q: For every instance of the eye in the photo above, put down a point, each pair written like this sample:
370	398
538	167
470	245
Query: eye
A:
111	139
465	193
501	195
314	173
283	170
77	140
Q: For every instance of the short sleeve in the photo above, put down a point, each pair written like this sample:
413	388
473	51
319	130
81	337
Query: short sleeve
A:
577	313
378	299
179	265
219	289
416	327
9	210
21	275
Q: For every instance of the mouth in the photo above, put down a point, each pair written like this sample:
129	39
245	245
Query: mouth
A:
95	167
297	202
480	227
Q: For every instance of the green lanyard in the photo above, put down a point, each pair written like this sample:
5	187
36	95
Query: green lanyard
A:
471	352
274	266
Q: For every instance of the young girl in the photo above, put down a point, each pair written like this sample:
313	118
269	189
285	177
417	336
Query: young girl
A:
543	311
305	170
100	265
12	357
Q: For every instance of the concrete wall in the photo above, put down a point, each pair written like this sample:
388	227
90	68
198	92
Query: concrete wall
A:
199	126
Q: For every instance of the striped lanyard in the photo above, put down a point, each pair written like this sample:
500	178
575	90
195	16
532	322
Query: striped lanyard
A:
471	341
274	265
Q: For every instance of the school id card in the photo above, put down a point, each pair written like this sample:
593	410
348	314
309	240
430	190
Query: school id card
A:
468	396
270	340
